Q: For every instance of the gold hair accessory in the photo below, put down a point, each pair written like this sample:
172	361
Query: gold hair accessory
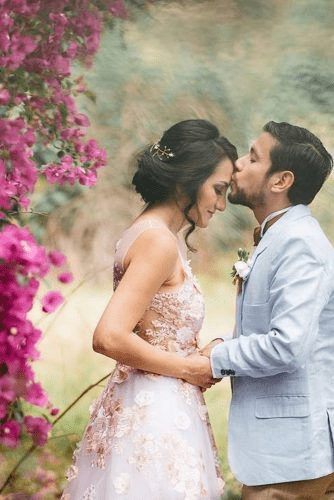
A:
162	154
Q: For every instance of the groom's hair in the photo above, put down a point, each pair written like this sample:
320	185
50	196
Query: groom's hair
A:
303	154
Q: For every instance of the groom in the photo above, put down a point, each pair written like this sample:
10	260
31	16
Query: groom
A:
281	425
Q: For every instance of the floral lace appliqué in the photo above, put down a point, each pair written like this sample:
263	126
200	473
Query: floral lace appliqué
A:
122	483
183	467
100	431
146	449
90	493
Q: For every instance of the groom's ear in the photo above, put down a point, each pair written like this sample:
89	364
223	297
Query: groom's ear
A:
282	181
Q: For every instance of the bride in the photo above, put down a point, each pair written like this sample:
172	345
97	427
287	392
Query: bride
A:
148	437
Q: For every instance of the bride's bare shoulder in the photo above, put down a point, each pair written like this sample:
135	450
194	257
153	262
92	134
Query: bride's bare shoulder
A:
156	244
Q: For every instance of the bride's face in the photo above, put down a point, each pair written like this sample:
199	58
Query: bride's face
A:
212	194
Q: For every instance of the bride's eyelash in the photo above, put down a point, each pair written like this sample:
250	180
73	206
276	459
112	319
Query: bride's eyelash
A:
220	190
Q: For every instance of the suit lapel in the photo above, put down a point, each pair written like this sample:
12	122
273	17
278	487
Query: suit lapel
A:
293	214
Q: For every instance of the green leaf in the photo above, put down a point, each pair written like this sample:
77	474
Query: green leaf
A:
91	95
63	113
29	114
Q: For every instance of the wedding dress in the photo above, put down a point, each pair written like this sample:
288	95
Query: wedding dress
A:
149	437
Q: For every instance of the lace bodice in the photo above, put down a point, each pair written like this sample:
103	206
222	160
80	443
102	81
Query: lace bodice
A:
174	318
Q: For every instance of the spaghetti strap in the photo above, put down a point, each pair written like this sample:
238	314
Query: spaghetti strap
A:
132	233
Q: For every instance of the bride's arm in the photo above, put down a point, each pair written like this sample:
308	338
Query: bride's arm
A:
151	261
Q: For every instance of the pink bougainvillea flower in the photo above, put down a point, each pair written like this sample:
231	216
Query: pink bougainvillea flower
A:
51	301
72	50
4	96
21	176
88	177
81	120
7	394
45	49
38	428
10	433
3	408
36	395
65	277
18	247
71	133
7	384
118	9
23	338
57	258
4	42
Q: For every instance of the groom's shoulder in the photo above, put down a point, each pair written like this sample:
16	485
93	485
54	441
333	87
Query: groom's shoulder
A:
304	235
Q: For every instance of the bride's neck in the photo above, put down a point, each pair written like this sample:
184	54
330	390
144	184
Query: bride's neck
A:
170	214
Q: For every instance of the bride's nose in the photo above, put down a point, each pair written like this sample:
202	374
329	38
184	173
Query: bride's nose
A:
221	205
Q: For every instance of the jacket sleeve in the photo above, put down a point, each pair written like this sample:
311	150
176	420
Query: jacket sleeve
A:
298	291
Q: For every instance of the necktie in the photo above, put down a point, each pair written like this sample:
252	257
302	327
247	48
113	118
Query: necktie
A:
257	231
257	235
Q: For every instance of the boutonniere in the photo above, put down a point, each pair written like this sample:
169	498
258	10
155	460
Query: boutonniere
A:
240	269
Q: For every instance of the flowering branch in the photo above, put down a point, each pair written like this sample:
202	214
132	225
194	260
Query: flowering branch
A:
34	446
17	465
23	212
39	41
74	402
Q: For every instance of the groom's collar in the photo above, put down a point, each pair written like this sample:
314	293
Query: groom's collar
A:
293	213
270	219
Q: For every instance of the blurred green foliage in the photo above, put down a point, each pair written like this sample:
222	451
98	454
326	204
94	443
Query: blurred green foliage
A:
238	63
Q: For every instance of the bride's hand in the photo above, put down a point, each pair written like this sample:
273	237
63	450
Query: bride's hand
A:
206	350
198	371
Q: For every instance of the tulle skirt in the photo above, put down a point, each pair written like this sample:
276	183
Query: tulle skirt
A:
148	438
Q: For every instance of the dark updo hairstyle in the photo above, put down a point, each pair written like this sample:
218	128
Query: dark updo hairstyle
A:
196	149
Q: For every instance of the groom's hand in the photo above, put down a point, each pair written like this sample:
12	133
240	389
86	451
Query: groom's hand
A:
197	371
206	350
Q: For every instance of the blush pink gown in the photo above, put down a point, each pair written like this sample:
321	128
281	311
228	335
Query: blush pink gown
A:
149	437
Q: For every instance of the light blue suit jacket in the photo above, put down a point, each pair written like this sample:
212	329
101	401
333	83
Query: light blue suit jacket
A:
281	423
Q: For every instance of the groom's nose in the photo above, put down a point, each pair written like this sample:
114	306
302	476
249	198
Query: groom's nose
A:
240	163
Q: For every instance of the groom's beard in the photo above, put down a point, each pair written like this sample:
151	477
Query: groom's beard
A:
250	201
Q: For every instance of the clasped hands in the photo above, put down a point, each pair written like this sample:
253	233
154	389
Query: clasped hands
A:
199	367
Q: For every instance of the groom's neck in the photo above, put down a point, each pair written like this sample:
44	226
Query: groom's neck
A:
261	212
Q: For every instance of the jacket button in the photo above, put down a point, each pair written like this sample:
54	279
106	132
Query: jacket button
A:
223	372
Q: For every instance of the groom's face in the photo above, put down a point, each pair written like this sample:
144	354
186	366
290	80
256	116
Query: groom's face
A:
250	180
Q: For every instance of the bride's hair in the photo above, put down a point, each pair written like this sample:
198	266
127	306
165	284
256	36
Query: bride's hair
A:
186	155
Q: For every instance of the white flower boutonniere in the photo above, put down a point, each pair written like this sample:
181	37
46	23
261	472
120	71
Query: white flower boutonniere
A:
240	269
